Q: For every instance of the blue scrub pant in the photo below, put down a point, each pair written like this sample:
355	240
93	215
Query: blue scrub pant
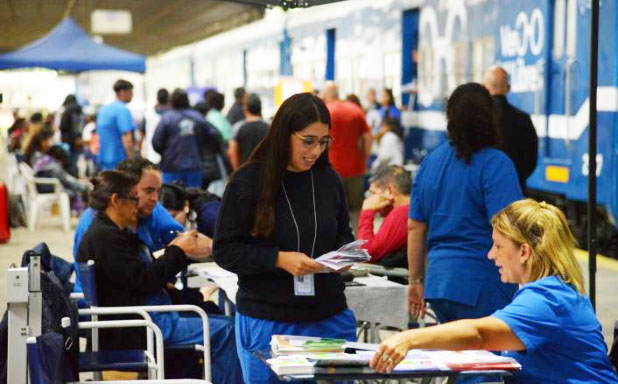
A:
188	330
189	179
255	335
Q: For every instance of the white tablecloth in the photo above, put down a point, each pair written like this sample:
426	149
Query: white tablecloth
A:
377	301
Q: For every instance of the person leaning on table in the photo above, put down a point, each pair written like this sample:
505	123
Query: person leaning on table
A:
549	327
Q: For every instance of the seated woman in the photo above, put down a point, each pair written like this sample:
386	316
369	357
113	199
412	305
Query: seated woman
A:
390	144
127	275
47	161
549	327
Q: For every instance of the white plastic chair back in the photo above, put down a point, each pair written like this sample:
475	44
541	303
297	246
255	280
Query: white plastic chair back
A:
36	201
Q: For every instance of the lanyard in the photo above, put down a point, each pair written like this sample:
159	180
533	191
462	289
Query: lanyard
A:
315	216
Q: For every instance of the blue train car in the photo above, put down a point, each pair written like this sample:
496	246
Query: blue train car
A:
544	45
423	49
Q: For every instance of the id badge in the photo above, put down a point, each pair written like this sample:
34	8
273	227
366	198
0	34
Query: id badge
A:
304	285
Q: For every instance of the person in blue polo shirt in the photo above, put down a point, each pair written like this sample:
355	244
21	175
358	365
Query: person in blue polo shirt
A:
115	128
550	327
460	185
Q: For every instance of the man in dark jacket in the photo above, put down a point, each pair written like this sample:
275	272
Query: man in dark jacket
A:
71	124
181	138
235	114
519	138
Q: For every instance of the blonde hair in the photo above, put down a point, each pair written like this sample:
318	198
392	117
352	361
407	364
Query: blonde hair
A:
545	229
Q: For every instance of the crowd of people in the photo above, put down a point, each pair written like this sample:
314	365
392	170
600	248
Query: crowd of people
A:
294	188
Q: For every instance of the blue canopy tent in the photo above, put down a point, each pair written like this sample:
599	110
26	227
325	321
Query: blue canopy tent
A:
67	47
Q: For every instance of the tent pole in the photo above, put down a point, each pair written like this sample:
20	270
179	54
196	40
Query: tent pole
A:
592	153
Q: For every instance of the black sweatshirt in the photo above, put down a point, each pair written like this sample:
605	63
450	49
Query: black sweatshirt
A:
123	277
265	291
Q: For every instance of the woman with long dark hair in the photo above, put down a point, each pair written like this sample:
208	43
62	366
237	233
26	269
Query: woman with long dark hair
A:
459	187
387	105
48	160
283	208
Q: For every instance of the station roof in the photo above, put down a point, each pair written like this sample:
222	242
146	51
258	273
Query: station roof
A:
158	25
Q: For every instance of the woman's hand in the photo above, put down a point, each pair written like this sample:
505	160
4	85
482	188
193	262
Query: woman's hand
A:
391	352
298	264
187	241
203	248
415	300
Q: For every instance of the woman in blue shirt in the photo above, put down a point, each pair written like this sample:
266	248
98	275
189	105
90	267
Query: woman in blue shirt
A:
459	187
388	107
549	327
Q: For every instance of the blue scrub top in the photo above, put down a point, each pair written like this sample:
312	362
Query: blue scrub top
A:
563	338
457	200
113	121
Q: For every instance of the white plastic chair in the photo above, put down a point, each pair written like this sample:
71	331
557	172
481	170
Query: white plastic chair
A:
35	201
14	180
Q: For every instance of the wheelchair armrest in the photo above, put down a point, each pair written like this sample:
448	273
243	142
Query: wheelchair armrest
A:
205	326
76	295
122	311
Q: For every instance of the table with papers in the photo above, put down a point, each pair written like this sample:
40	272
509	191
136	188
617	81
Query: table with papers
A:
418	365
377	300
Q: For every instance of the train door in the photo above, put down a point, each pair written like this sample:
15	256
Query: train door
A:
409	42
330	54
563	73
409	81
539	46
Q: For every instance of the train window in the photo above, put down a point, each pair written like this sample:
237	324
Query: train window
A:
426	67
483	57
392	71
559	18
344	75
571	28
457	75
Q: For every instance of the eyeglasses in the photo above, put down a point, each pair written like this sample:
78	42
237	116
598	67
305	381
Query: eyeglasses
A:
133	199
311	141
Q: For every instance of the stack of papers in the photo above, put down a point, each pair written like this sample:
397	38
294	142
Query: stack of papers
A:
300	355
290	365
287	344
347	255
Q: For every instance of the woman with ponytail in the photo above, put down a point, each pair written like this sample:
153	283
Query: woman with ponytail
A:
549	327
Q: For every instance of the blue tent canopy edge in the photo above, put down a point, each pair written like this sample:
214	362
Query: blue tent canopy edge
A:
67	47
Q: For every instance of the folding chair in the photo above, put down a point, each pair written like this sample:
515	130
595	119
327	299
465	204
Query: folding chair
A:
87	273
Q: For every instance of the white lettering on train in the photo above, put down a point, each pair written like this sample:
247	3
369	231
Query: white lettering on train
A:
527	35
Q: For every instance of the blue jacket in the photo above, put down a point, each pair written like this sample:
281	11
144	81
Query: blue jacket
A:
180	138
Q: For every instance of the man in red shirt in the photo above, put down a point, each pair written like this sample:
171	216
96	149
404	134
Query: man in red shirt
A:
351	145
390	196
